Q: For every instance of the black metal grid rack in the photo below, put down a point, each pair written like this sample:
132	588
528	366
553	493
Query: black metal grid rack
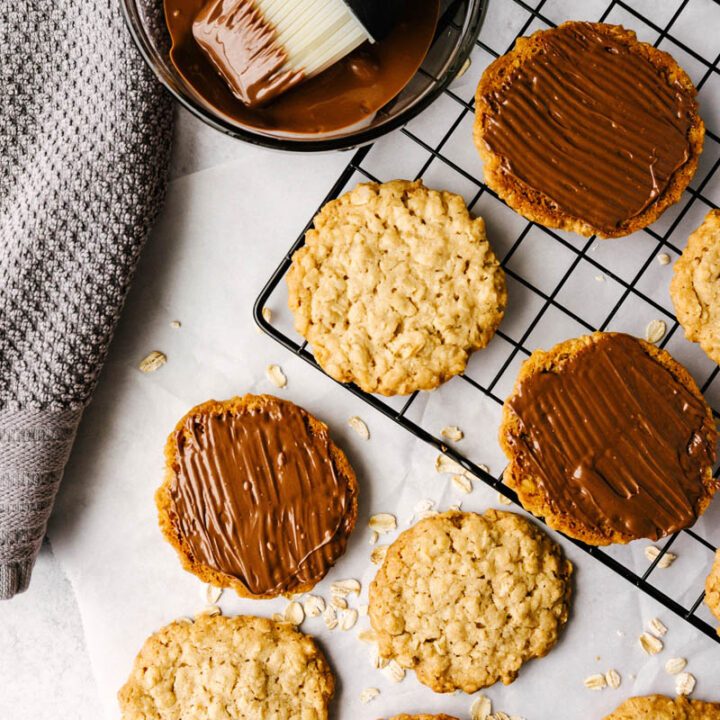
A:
580	250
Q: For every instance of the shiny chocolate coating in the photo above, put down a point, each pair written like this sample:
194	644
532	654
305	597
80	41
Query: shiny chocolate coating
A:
257	495
590	123
613	440
348	92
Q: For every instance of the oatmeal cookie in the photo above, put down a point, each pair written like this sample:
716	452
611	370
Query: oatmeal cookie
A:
712	588
243	667
695	287
582	127
659	707
465	599
256	496
395	286
609	439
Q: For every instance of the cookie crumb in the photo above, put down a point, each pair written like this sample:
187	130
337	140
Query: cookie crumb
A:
655	331
152	361
685	683
175	324
359	427
595	682
276	376
452	432
663	258
650	644
674	665
368	694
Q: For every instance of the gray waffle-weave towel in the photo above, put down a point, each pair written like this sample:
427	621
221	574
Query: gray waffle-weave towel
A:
84	141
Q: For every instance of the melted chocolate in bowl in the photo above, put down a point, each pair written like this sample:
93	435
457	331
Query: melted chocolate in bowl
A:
345	94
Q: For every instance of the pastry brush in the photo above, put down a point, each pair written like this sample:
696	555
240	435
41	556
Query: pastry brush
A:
264	47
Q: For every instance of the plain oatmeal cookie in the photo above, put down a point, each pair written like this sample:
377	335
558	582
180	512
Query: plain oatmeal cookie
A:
695	287
240	668
466	599
712	588
659	707
395	286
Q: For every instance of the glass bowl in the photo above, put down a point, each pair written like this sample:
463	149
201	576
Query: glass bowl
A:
460	22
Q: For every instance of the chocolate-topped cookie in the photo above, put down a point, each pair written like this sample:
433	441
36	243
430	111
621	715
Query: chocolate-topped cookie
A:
256	497
609	439
583	127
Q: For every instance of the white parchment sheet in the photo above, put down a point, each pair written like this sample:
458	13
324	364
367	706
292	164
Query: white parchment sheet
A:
231	213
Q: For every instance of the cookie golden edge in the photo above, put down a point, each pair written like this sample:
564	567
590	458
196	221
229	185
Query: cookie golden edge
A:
294	284
161	641
661	707
440	684
712	588
534	204
165	506
682	289
530	497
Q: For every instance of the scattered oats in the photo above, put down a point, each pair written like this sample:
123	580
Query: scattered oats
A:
674	665
359	427
375	660
343	588
656	626
267	314
481	707
453	432
651	552
153	361
499	715
338	602
212	594
462	483
373	537
377	556
277	617
184	620
276	376
367	636
294	613
655	331
663	258
175	324
684	683
363	610
600	278
383	523
349	618
446	465
504	500
595	682
423	505
210	611
427	514
463	69
620	633
456	507
394	672
484	468
330	617
313	605
613	679
650	644
368	694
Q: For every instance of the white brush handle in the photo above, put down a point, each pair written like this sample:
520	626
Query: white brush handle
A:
315	33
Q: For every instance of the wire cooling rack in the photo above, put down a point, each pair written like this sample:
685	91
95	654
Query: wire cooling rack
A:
625	276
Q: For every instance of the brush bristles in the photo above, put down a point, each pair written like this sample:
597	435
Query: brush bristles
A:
315	33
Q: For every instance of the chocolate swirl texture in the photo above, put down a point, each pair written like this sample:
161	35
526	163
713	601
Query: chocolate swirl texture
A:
607	442
587	122
257	493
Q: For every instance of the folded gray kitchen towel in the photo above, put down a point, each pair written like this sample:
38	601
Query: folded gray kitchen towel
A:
84	143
